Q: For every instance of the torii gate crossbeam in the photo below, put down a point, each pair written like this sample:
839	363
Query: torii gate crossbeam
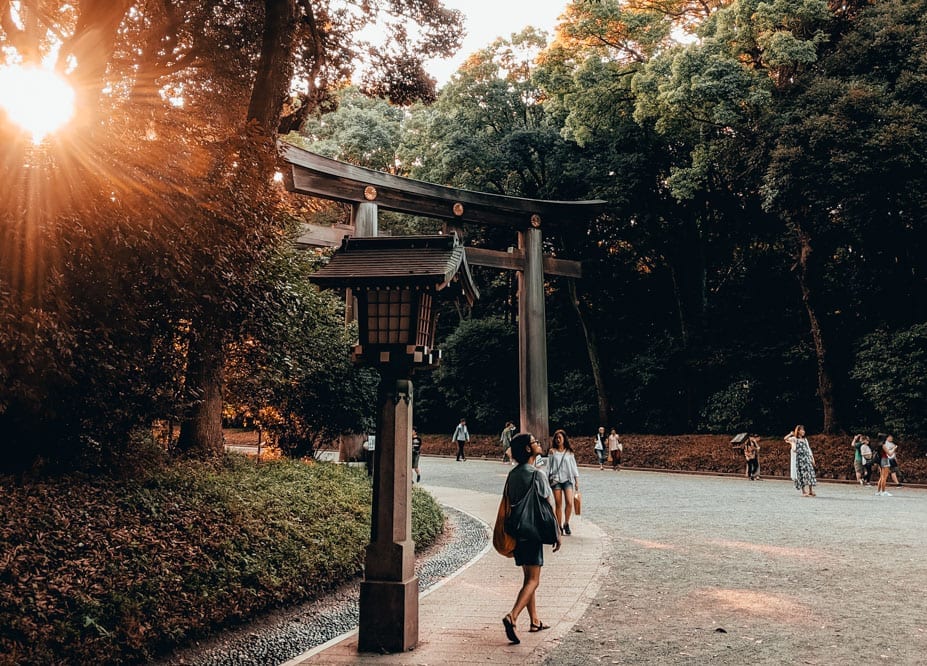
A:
367	190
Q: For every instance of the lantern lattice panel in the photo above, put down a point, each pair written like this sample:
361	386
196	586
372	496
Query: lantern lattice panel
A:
389	316
425	321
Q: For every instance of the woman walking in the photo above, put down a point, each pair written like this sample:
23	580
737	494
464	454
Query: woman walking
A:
804	477
751	455
563	475
601	446
614	449
885	465
529	554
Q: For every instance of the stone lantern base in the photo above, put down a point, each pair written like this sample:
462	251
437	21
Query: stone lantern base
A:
388	616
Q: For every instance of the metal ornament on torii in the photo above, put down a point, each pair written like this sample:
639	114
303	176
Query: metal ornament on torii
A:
367	191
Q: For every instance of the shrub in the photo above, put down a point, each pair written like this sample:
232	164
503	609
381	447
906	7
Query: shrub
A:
891	368
114	571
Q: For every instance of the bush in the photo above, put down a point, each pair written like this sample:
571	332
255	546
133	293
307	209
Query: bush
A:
891	368
478	375
110	571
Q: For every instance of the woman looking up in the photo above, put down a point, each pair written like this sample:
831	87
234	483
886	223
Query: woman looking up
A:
529	554
563	475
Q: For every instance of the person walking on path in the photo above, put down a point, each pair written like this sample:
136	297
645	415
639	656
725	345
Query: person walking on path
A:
505	440
867	456
804	477
885	465
416	454
615	449
563	474
601	446
529	555
859	463
892	459
751	454
461	436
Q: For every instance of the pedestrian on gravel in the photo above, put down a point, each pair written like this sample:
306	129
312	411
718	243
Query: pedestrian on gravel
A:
804	477
416	454
370	446
859	462
563	474
505	440
885	464
892	459
460	437
751	455
529	555
867	456
615	449
601	446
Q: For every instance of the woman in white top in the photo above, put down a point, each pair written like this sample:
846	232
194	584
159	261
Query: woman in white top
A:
564	478
615	449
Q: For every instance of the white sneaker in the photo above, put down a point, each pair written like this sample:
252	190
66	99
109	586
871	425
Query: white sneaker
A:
878	492
887	494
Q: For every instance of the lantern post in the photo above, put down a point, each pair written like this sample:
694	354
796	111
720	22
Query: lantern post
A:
395	281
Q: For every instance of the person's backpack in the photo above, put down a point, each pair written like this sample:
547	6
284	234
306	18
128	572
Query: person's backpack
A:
865	452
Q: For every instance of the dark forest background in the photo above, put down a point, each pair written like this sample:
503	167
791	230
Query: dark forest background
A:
761	261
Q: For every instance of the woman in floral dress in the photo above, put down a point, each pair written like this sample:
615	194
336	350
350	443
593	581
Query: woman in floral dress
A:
804	477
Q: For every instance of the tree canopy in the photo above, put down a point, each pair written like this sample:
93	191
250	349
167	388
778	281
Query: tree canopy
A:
761	260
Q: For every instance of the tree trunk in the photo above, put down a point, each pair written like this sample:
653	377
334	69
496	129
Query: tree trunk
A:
201	429
592	349
806	281
274	70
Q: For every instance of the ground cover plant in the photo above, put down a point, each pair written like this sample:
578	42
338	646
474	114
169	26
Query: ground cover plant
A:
98	570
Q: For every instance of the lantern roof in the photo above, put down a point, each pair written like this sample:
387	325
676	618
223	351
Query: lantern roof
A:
433	262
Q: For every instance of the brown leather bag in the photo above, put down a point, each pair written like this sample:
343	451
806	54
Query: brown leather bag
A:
577	503
502	541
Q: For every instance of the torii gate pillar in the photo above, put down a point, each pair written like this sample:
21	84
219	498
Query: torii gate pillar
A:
532	337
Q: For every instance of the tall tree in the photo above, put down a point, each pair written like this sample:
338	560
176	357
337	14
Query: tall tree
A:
180	104
489	130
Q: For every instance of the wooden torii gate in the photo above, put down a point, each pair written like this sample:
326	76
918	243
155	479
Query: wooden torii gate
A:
367	191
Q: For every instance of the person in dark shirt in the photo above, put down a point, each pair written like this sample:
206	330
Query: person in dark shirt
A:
529	555
416	454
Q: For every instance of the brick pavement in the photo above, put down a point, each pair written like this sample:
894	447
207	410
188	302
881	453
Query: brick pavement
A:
460	619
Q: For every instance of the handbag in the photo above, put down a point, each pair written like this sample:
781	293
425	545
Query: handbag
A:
532	519
577	503
502	541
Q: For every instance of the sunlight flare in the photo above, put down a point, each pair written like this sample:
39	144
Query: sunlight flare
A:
36	99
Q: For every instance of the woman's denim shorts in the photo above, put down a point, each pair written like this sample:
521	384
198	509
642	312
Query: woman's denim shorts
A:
566	485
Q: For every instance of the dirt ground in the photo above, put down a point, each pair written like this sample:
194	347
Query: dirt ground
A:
709	570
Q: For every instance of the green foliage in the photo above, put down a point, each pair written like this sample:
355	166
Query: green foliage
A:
361	130
729	410
135	241
103	571
478	376
890	367
295	351
573	402
427	518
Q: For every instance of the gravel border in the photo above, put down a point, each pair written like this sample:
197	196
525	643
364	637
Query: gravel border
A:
288	633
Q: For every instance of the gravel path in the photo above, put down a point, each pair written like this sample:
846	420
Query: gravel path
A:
286	634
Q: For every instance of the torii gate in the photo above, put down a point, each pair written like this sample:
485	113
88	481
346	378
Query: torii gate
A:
367	190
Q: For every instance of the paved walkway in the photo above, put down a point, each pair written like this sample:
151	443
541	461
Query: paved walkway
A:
461	619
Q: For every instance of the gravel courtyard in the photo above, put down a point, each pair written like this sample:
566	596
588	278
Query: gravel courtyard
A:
723	570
